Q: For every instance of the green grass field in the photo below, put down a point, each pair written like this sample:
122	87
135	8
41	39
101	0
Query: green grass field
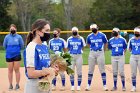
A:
85	57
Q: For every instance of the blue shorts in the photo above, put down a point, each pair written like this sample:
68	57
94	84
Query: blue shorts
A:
16	58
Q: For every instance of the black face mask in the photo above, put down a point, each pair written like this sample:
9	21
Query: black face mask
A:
94	30
45	37
74	33
137	35
13	31
55	35
115	33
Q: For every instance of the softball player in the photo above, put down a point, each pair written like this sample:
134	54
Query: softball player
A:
13	43
117	44
75	45
96	41
36	56
134	47
58	44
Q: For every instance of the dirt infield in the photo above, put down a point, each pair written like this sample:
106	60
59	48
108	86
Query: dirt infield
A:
96	83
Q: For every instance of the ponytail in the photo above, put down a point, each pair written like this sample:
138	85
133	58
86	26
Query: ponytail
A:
29	38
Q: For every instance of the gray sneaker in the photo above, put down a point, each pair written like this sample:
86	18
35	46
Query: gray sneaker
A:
123	89
114	89
17	87
10	87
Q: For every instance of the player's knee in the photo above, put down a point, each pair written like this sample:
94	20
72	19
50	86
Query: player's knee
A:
115	73
121	73
16	70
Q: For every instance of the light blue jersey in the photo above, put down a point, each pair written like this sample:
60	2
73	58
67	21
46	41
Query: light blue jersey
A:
117	46
57	44
96	42
134	45
36	56
75	44
13	45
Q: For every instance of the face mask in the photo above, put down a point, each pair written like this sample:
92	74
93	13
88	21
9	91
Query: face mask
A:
55	35
45	37
13	31
94	30
74	33
115	33
137	35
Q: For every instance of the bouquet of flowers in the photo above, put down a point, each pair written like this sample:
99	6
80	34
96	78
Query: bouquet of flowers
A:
63	61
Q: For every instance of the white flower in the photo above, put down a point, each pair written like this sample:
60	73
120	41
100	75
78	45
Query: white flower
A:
58	53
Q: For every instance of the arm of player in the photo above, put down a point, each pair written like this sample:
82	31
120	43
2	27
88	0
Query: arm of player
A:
129	47
105	46
5	42
32	73
125	46
83	42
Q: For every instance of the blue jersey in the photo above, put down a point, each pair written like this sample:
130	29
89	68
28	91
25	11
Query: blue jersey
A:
117	46
13	45
57	44
36	56
75	44
134	45
96	42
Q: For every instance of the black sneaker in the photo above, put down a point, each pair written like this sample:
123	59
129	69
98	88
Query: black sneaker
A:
17	87
10	87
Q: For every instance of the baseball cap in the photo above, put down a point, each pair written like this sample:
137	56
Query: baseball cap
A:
136	29
74	28
93	26
116	29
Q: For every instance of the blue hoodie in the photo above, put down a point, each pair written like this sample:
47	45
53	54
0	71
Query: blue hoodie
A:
13	45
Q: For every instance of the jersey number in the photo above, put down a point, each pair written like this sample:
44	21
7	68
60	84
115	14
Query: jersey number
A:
136	47
75	47
55	47
96	44
116	49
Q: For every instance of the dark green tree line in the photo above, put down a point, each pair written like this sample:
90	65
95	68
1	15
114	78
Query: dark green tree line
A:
121	13
5	19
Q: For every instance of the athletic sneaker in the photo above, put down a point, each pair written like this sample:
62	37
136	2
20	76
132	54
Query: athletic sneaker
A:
10	87
72	88
78	88
62	88
114	89
133	89
123	89
17	87
105	88
53	87
87	88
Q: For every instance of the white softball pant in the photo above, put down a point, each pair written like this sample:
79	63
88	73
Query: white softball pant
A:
118	64
96	57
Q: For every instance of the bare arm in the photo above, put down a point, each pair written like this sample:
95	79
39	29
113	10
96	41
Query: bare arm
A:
32	73
105	46
88	45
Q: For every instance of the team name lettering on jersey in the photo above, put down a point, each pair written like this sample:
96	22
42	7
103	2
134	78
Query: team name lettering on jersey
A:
56	44
44	56
97	40
75	43
117	45
136	44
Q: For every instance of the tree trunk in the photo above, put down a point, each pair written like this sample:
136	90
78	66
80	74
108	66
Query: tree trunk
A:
67	4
